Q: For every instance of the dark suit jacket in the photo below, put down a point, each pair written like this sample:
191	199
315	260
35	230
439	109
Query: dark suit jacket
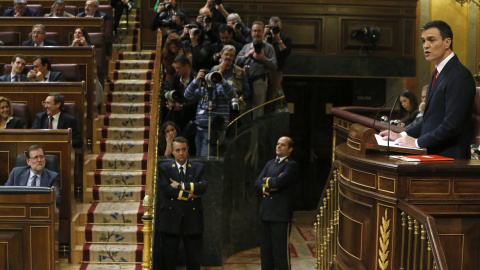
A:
98	13
178	215
65	121
28	12
15	123
19	177
278	205
46	42
446	126
55	77
8	78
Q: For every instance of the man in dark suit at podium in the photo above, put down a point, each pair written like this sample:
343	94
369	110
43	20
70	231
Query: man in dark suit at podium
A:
181	212
35	173
277	184
446	126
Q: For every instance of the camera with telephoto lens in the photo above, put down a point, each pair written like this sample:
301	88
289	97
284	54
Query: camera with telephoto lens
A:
170	23
257	47
173	96
234	102
193	26
217	2
213	78
168	6
237	25
207	19
274	28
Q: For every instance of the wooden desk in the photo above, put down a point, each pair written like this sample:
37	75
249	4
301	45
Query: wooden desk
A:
54	142
63	26
27	228
371	189
84	57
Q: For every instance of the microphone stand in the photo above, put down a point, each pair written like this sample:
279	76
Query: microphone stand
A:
389	124
379	110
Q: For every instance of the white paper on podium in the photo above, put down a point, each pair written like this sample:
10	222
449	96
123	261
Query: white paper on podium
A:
382	142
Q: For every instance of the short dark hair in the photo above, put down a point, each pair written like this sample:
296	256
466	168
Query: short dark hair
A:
58	3
259	23
182	59
179	139
33	147
290	143
225	28
181	15
58	98
18	55
44	60
443	27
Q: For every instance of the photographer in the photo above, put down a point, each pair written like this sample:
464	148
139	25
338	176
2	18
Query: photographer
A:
210	26
218	10
214	88
241	33
234	75
163	15
257	59
283	46
173	47
210	55
193	39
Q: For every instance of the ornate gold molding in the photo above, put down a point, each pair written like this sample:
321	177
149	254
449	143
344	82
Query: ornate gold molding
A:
384	241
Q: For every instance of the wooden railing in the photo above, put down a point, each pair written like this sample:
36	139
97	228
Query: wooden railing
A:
420	246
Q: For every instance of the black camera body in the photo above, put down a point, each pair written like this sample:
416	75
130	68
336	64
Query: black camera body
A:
258	47
275	29
193	26
170	23
207	19
173	96
237	25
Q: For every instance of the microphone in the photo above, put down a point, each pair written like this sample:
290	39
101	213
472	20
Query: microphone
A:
389	123
381	108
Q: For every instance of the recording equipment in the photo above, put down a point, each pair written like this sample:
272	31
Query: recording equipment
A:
207	19
237	25
213	78
173	96
367	34
170	23
274	28
258	47
381	108
234	102
389	124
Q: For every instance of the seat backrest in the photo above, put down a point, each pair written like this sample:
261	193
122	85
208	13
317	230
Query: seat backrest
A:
98	40
51	162
22	111
70	71
7	69
10	38
107	9
50	36
71	109
38	7
72	10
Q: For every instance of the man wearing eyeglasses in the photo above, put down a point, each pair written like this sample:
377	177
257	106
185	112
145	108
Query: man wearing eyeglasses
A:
20	9
35	174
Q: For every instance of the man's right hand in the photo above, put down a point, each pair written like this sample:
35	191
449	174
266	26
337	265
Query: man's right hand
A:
393	135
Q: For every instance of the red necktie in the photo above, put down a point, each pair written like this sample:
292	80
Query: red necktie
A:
434	78
50	123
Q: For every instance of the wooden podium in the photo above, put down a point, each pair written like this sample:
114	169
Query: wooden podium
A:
28	228
377	193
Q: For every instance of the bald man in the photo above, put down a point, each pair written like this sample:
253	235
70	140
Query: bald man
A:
277	184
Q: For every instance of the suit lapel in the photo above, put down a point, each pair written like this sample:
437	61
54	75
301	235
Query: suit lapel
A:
24	177
439	80
61	119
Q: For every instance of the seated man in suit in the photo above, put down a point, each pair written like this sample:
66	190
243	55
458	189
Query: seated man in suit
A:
58	10
16	75
55	118
38	37
41	71
91	10
20	9
35	173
